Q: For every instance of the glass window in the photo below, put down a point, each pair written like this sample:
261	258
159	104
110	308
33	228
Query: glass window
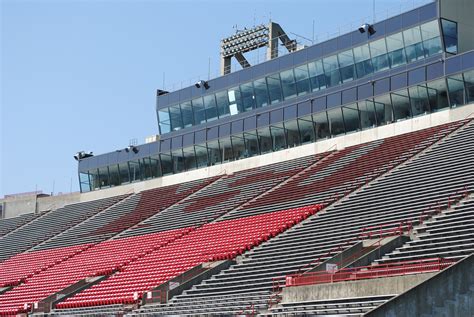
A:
367	114
94	178
148	168
457	95
199	111
248	99
321	125
124	172
302	80
238	147
201	156
176	119
214	153
226	148
346	64
401	104
114	175
222	100
331	70
362	60
164	120
413	44
288	84
135	171
292	133
235	101
420	103
396	50
316	75
469	82
274	88
155	166
261	93
251	144
187	114
378	51
438	94
450	36
306	130
351	117
177	161
85	182
104	177
431	38
278	137
211	108
166	164
264	140
383	109
189	158
336	122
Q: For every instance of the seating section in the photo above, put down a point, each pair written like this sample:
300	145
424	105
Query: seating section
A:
10	224
448	235
211	242
51	224
355	306
24	265
222	196
250	281
102	259
125	214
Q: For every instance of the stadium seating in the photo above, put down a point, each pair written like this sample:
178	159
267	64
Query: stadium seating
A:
222	196
10	224
102	259
211	242
250	281
125	214
51	224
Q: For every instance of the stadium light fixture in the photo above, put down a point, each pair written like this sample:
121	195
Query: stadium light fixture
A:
202	83
82	154
366	27
132	148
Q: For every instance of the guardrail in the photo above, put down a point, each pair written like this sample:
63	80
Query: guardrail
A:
370	272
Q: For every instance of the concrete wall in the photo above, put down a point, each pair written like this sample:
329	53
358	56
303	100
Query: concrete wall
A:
422	299
461	11
370	287
15	207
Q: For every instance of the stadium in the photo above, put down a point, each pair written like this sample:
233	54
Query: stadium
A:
335	179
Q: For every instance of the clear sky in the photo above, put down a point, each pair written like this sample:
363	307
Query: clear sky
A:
82	75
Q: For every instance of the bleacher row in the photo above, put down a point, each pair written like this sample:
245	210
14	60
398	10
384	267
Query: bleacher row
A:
137	242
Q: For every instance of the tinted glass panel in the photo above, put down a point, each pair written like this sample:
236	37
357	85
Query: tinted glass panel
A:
288	84
383	110
378	50
274	88
450	35
164	120
176	120
222	99
396	50
251	144
201	156
199	111
367	114
211	108
214	153
401	105
336	122
419	100
331	70
456	90
351	117
235	101
302	80
187	114
306	129
413	43
248	99
264	140
316	75
363	63
346	64
321	125
292	133
278	137
261	93
438	94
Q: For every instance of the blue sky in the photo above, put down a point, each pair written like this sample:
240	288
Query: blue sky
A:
82	75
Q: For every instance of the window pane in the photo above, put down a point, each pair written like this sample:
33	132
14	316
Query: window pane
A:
166	164
189	158
178	161
226	149
302	80
456	91
331	70
235	101
274	88
321	125
211	108
214	153
94	178
135	171
378	50
450	35
187	114
201	156
288	84
104	177
164	120
351	117
401	105
316	75
367	114
222	100
278	137
383	109
336	123
431	38
251	144
346	63
264	140
438	94
292	133
124	173
238	147
84	182
362	60
248	100
469	82
413	43
261	93
199	111
114	175
306	129
396	50
176	120
419	100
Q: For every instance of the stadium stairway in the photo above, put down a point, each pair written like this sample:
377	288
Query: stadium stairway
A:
50	224
249	282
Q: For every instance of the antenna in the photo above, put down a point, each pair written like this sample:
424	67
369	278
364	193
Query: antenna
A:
373	11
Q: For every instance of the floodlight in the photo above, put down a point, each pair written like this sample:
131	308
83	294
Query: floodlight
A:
366	27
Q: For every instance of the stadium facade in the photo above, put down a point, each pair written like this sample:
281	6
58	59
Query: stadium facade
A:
337	180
